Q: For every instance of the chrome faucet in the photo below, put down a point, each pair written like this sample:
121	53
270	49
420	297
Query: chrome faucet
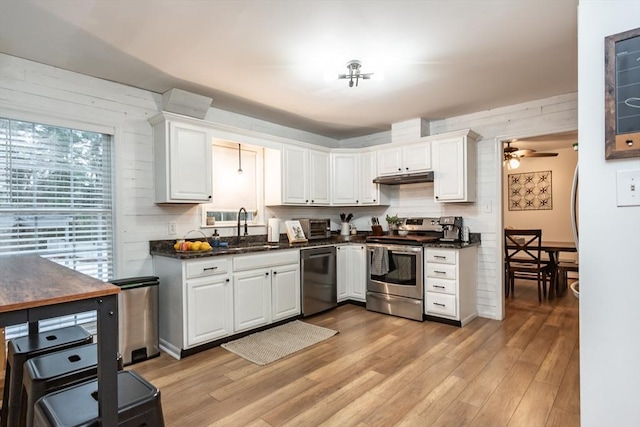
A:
246	229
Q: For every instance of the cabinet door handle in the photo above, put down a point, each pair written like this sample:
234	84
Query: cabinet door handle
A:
313	201
209	268
275	272
266	274
399	169
209	195
227	280
407	168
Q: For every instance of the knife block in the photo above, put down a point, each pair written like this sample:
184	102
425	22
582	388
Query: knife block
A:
376	230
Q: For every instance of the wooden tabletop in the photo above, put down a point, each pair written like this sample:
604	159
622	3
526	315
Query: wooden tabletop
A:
559	246
28	281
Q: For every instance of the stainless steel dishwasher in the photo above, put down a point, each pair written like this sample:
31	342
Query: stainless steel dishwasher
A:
319	283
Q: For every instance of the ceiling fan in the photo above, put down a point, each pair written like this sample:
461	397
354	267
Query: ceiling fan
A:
512	155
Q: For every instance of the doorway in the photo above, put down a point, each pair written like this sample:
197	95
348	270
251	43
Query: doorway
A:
536	191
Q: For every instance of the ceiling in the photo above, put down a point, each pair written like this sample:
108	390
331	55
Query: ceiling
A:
268	59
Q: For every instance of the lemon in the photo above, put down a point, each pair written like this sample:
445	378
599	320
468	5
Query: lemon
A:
177	246
205	246
195	246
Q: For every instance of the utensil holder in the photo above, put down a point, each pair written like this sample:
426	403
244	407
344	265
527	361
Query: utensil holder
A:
376	230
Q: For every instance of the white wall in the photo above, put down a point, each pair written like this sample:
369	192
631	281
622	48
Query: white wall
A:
609	255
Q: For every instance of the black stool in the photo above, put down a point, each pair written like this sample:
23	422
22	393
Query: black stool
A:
54	371
138	404
24	348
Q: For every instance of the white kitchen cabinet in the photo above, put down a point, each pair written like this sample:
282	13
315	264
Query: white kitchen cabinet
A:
351	272
454	167
285	291
251	299
352	176
451	284
182	160
266	288
195	301
345	178
407	158
209	304
296	176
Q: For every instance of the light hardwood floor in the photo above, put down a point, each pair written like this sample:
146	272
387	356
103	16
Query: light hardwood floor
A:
382	371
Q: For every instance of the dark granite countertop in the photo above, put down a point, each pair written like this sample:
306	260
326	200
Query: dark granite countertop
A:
251	244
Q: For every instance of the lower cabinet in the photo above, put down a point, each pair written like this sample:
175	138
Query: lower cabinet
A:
209	309
211	298
451	284
351	272
266	288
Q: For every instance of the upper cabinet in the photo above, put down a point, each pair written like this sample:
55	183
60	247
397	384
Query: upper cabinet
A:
296	176
182	161
352	175
408	158
454	167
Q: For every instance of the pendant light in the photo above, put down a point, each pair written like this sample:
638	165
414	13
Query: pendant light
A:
239	160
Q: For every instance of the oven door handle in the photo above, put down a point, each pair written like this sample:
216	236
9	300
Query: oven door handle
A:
397	249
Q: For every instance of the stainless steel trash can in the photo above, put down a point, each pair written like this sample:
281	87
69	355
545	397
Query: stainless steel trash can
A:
138	318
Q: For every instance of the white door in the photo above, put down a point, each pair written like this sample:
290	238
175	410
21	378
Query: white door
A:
416	157
344	178
295	175
342	271
449	169
209	305
358	272
251	299
285	289
318	178
189	162
390	161
368	172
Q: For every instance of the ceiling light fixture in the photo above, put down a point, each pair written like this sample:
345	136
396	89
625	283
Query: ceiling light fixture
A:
354	74
239	160
514	162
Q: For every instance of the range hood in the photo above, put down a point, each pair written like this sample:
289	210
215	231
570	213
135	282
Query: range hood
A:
409	178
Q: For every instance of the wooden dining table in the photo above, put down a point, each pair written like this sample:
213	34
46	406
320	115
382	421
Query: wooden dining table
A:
33	288
553	249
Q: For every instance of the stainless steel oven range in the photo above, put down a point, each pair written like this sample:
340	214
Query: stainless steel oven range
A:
395	269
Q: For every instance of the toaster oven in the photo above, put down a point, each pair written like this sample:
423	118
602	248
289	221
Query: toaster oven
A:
316	228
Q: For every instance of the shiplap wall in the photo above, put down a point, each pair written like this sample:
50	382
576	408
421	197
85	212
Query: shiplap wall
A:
37	92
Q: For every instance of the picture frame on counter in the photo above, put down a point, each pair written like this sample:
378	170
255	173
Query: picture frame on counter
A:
295	232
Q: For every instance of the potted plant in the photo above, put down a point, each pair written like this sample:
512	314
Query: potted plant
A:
392	222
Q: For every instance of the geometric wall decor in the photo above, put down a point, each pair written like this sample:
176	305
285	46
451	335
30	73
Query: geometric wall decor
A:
530	191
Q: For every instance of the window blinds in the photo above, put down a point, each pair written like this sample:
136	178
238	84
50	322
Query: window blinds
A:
55	195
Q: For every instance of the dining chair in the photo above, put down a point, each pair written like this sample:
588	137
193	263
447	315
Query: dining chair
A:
523	260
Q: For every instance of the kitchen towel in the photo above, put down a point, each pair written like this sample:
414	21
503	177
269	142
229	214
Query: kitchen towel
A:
273	230
380	262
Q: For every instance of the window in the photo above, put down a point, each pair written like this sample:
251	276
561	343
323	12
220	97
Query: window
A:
233	190
56	198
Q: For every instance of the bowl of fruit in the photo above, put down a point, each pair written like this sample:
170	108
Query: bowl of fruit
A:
191	246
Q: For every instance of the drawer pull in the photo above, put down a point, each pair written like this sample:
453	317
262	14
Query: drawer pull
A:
440	256
438	304
209	268
439	272
438	286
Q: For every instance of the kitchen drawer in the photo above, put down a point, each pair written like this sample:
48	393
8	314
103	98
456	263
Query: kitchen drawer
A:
442	256
441	271
441	304
442	286
207	267
265	259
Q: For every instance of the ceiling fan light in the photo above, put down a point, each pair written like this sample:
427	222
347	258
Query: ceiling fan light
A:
514	162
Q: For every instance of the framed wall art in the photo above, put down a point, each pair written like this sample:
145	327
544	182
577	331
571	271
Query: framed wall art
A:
530	191
622	95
